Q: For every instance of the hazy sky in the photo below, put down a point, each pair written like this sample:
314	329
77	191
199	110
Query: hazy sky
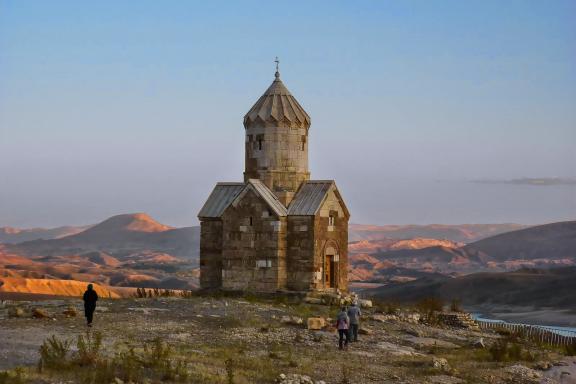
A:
109	107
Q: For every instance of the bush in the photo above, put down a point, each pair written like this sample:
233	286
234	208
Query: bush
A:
507	349
456	305
159	356
156	354
570	349
155	361
229	371
89	348
428	306
12	377
54	353
128	366
187	294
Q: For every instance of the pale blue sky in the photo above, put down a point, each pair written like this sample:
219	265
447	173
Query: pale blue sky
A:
121	106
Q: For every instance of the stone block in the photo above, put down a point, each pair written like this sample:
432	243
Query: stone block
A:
316	323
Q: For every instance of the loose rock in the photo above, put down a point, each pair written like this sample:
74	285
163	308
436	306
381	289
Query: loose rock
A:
16	312
38	313
316	323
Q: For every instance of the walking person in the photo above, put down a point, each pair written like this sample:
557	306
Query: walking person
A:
354	314
90	298
343	325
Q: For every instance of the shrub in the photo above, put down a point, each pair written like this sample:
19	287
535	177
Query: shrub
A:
155	361
229	363
456	305
391	308
428	306
89	348
507	349
12	377
187	294
156	354
128	366
140	293
570	349
54	353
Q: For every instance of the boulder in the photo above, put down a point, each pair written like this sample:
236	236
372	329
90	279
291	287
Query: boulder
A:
479	343
440	364
413	318
295	378
292	320
543	365
365	331
383	318
16	312
397	350
313	300
365	303
413	332
523	374
38	313
70	312
316	323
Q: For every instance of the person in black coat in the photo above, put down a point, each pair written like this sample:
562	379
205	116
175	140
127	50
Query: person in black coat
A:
90	298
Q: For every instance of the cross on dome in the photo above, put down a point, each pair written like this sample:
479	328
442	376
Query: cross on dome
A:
277	74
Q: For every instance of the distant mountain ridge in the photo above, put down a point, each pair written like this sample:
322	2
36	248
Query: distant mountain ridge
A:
543	246
460	233
120	235
136	250
17	235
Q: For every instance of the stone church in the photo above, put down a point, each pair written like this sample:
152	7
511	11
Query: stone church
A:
278	230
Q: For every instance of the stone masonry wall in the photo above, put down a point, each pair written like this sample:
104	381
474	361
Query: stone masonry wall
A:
278	156
211	254
254	246
335	236
300	254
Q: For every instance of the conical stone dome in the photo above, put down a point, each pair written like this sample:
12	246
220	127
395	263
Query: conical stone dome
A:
277	107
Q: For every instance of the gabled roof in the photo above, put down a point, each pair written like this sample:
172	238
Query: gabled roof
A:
265	193
311	196
277	105
222	195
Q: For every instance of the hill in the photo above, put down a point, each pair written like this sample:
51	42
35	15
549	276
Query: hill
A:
124	250
550	241
543	246
51	287
526	287
122	236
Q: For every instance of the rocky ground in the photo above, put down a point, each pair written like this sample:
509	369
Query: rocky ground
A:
249	340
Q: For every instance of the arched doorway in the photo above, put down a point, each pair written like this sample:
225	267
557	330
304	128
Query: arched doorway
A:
331	265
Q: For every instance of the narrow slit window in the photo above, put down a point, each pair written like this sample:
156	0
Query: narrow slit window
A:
303	142
331	220
250	220
260	144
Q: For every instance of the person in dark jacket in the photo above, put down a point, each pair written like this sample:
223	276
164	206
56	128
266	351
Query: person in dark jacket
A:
90	298
342	324
354	314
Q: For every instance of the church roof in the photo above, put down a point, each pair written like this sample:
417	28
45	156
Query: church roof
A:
277	105
225	194
222	195
311	196
266	194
